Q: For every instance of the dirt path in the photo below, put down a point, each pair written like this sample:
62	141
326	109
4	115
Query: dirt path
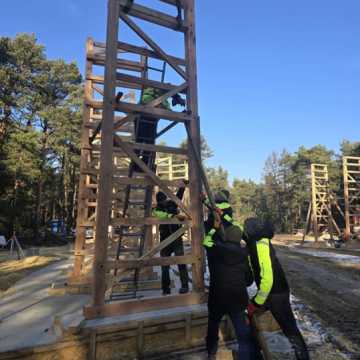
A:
332	290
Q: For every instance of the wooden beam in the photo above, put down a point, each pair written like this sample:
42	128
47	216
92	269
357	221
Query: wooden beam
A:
143	110
106	163
163	244
120	64
159	261
160	99
166	129
121	122
347	233
147	221
80	239
173	2
153	45
154	112
97	79
146	182
152	176
130	79
194	131
154	16
129	307
140	50
156	148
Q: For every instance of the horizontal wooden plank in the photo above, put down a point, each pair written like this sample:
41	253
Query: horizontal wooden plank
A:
158	261
141	146
148	221
140	50
174	2
146	182
158	148
100	80
153	16
122	64
130	79
127	128
144	110
155	112
129	307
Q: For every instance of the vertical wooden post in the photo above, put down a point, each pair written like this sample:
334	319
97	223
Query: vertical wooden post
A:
195	185
85	152
106	159
314	203
307	223
346	200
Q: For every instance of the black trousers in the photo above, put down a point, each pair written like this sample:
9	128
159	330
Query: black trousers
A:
247	346
145	133
279	305
176	248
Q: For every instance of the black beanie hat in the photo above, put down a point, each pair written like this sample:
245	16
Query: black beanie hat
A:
233	234
160	197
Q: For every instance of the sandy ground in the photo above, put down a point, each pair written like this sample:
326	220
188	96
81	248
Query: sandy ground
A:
12	271
325	296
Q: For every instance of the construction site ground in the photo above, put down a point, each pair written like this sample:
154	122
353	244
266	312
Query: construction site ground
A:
327	281
325	295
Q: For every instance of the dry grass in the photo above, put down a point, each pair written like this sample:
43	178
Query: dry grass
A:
12	271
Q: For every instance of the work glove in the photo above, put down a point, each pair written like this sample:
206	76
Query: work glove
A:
254	308
208	241
251	309
178	100
118	97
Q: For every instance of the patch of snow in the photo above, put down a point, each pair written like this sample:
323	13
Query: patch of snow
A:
332	256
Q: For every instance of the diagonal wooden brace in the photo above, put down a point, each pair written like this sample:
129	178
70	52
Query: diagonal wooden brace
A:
153	45
152	176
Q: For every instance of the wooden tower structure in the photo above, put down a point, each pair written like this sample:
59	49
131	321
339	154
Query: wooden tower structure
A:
320	217
114	240
351	172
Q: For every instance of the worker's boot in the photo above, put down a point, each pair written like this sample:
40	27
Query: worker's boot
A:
166	291
184	290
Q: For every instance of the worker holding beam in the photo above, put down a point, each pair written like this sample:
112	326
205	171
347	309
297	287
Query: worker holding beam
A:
273	290
230	274
167	209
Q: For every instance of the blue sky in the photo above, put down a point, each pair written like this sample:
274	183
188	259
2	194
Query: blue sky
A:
273	74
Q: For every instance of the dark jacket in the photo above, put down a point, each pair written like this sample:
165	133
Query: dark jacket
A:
230	273
268	272
167	210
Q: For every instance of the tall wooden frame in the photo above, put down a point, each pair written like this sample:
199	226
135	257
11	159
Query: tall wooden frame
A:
320	216
351	173
114	115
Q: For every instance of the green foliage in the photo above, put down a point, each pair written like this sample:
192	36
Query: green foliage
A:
40	124
206	151
283	196
218	178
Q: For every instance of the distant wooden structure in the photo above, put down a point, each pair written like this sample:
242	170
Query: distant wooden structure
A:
171	168
319	217
351	173
114	240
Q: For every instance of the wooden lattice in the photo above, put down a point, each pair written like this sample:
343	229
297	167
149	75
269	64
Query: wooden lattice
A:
351	168
109	150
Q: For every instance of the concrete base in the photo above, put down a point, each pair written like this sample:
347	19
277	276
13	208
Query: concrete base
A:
140	336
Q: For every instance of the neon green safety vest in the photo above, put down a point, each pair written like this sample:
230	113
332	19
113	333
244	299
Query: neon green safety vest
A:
161	214
266	271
